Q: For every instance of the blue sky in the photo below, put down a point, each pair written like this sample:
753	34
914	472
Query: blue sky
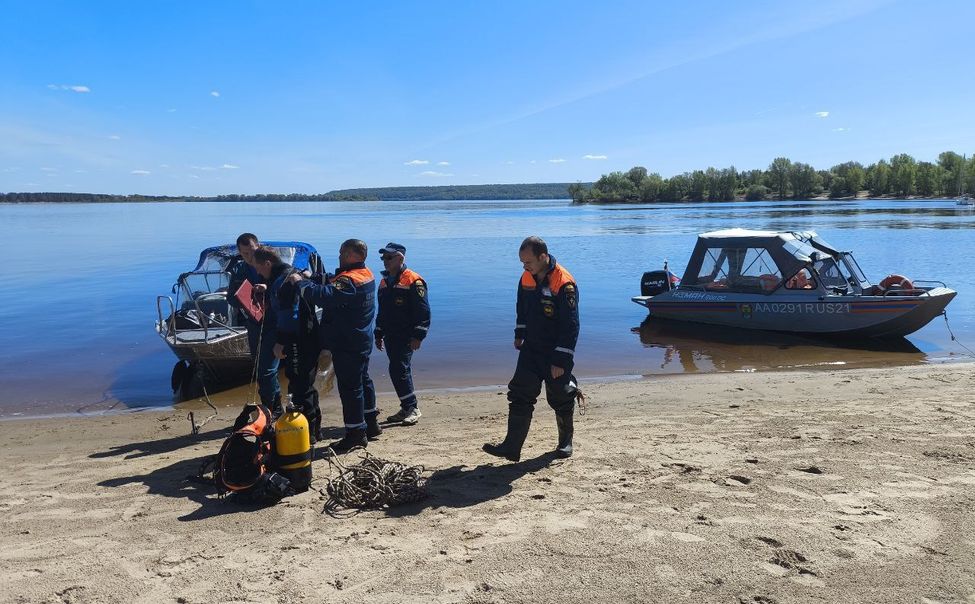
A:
205	98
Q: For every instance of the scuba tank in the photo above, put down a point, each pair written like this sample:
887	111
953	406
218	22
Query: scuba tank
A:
292	448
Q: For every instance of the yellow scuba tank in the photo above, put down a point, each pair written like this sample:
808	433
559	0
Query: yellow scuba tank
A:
292	448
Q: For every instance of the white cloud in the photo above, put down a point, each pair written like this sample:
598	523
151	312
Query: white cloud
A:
11	169
214	93
443	163
46	169
115	137
74	88
416	162
229	167
192	176
822	114
171	111
204	168
557	160
163	165
140	172
81	171
435	174
532	161
841	129
509	163
591	156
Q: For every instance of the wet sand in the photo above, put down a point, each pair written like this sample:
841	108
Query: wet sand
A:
839	486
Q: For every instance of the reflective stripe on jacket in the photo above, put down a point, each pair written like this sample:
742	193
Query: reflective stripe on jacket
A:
548	313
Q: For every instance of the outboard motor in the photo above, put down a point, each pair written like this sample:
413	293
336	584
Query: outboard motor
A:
657	282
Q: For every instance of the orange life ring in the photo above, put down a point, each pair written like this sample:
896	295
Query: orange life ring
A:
896	281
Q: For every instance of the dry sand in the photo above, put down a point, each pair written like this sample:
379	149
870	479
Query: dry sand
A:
848	486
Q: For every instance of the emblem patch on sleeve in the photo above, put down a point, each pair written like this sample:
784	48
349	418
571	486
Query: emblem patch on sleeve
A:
571	296
421	289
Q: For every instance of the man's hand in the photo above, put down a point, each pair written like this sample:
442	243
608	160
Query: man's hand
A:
279	351
260	288
518	343
294	278
415	344
379	343
557	372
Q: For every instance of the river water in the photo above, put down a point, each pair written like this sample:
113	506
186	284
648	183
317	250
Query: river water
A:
78	286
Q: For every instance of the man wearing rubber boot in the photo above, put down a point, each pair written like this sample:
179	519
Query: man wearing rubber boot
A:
297	341
348	301
260	335
402	323
546	331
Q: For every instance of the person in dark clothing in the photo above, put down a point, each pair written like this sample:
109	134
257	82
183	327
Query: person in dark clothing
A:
402	323
348	301
260	335
546	331
297	340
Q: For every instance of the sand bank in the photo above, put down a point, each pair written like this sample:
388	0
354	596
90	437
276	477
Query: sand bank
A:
848	486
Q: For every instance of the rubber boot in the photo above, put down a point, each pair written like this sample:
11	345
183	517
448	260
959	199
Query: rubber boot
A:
564	422
373	429
510	448
354	437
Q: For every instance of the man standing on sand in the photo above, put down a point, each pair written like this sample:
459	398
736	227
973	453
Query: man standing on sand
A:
402	323
546	331
348	301
260	336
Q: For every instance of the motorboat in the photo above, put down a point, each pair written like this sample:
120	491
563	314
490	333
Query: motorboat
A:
965	200
206	333
789	282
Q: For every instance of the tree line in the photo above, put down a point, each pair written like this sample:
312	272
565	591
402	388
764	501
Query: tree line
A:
433	193
900	176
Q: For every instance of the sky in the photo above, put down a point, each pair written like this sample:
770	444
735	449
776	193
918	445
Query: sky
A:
206	98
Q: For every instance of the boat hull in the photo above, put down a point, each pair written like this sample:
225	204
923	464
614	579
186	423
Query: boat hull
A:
833	315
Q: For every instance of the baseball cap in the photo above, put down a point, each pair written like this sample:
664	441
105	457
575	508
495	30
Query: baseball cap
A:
393	248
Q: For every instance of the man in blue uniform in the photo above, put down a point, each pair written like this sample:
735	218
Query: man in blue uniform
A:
546	331
297	340
402	323
260	335
348	301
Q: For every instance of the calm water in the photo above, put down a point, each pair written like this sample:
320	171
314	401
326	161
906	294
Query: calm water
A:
79	284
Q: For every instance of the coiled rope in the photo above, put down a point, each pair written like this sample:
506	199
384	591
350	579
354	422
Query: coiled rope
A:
371	484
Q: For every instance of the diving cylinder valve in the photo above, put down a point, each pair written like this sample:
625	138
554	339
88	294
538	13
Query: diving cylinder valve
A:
292	447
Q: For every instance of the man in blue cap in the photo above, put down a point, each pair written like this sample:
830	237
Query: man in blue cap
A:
402	323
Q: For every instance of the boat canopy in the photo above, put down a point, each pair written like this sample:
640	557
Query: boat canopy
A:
790	251
219	258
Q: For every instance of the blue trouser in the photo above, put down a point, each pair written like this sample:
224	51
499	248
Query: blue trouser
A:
400	372
267	364
535	367
356	390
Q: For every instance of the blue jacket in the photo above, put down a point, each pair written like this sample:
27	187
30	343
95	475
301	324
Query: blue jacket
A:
239	272
348	301
548	314
404	306
291	316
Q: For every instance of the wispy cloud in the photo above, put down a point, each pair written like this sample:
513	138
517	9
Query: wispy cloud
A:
203	168
557	160
214	93
140	172
822	114
591	156
46	169
72	88
81	171
509	163
435	174
229	167
114	137
171	110
416	162
163	165
841	129
443	163
192	176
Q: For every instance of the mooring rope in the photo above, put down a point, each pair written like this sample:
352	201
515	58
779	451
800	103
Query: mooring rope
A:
371	484
971	353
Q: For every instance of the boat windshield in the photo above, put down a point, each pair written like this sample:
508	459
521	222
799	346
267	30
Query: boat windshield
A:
854	268
201	284
739	269
835	276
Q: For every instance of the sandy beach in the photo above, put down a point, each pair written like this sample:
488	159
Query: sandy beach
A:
844	486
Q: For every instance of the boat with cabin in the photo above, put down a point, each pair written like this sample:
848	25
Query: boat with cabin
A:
789	282
206	333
